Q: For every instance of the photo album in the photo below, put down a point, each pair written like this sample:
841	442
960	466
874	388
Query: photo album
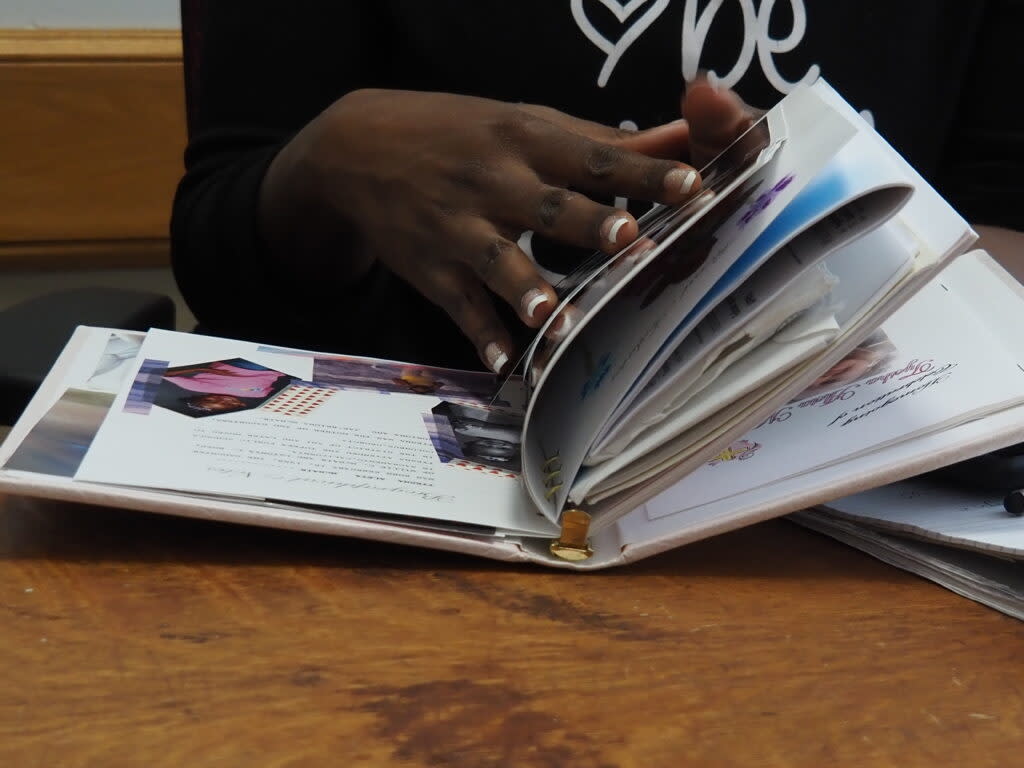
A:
798	331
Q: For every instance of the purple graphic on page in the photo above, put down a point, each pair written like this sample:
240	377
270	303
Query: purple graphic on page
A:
764	200
142	394
442	437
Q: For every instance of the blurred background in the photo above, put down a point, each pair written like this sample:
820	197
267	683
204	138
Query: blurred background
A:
91	147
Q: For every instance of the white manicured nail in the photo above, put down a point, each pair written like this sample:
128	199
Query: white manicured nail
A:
612	226
565	323
496	358
680	180
532	299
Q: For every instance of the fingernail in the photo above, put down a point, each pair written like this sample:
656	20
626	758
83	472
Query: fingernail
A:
640	249
561	327
532	299
680	180
496	358
612	226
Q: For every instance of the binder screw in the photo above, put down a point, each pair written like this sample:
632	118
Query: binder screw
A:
572	544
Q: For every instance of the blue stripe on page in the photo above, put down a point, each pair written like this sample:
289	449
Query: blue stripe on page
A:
145	386
816	198
828	189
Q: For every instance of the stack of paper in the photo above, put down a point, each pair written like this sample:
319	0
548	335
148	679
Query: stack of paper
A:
962	539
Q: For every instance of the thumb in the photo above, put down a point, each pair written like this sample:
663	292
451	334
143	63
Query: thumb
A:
717	117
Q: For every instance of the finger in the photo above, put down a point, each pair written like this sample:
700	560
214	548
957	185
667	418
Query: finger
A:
525	202
565	158
609	169
471	308
669	141
503	267
717	117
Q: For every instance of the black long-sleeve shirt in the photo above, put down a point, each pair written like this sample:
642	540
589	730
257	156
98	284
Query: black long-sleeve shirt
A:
941	79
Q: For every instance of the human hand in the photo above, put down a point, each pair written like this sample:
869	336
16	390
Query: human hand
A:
439	187
716	118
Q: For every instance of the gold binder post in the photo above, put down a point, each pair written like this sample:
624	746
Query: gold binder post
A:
573	545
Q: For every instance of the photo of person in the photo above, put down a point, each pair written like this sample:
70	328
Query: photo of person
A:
868	358
389	377
487	436
222	386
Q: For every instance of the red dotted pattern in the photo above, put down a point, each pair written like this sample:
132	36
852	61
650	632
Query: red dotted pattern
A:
298	400
473	466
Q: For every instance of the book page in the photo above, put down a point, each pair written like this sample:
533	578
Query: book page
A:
854	194
934	364
865	270
217	416
764	301
961	517
599	366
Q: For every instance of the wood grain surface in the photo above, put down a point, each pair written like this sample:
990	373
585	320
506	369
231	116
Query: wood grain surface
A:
136	640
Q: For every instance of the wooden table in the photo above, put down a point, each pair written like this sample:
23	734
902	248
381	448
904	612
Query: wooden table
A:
136	640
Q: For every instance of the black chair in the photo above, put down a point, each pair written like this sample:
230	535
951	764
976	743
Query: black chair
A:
33	333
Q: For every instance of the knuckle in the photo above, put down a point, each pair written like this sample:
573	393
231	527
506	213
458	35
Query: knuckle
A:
551	207
517	129
459	306
653	176
473	175
490	259
622	134
601	160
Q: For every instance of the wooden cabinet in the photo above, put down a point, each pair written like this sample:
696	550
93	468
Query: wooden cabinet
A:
91	145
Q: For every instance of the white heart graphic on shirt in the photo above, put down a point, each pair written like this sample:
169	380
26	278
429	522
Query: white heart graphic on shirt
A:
622	11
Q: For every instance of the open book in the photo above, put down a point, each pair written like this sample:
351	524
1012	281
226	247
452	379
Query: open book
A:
740	360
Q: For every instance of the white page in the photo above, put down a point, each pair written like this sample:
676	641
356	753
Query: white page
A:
353	448
760	294
660	445
855	193
765	302
943	365
957	516
869	267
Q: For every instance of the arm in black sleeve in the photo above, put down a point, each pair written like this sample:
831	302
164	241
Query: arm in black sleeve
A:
265	69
